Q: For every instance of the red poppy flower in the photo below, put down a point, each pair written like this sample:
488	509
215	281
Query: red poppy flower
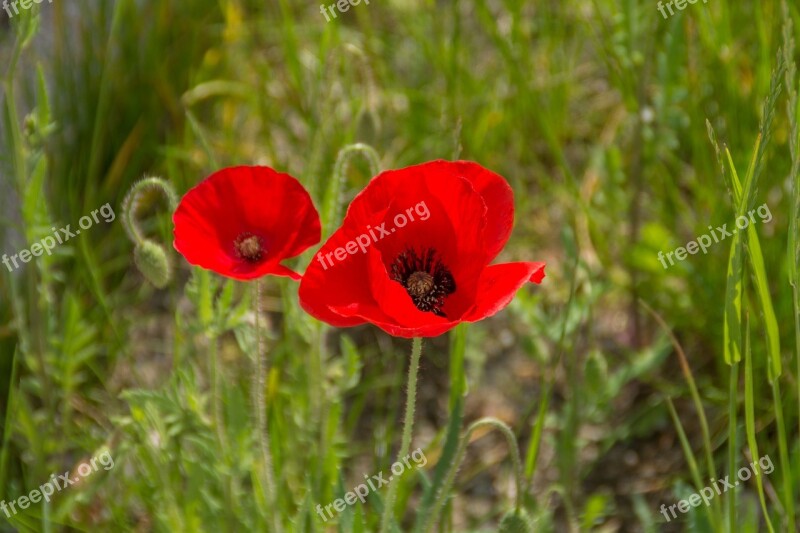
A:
413	253
241	222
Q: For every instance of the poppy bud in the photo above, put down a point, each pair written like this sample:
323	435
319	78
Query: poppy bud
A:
150	258
152	262
516	522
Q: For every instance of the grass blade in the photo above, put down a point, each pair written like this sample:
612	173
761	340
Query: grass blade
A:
750	423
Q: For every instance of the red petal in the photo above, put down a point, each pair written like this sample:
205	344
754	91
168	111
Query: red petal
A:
280	270
497	195
430	330
499	284
326	286
457	216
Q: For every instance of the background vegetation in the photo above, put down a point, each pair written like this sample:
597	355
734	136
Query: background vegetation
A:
594	110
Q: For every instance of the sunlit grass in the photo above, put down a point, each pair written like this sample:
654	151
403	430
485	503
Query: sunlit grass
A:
595	111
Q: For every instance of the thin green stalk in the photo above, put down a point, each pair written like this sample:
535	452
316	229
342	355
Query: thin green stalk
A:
462	449
783	451
104	97
31	342
47	522
458	390
318	400
733	405
698	404
790	80
750	423
688	453
260	407
538	429
549	379
408	424
214	376
219	418
11	407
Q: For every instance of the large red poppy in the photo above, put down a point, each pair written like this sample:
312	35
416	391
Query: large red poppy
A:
413	253
241	222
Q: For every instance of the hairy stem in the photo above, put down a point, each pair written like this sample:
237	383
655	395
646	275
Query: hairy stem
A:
260	407
408	424
215	376
131	204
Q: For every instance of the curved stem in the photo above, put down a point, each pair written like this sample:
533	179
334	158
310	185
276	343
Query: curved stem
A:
408	424
346	153
131	203
462	448
262	437
333	199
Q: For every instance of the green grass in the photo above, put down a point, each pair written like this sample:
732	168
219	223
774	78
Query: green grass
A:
598	112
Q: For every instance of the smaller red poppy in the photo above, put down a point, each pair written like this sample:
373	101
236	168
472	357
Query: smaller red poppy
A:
241	222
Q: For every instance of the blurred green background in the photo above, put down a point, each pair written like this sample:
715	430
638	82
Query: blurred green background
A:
594	110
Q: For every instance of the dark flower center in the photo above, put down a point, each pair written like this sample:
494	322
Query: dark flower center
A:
426	279
249	247
419	284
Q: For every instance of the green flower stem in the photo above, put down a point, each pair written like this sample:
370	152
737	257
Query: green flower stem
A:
452	435
151	259
318	395
733	449
345	155
131	203
333	200
408	424
205	290
260	407
493	423
215	377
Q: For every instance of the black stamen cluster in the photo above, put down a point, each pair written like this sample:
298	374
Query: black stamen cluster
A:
249	247
426	296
